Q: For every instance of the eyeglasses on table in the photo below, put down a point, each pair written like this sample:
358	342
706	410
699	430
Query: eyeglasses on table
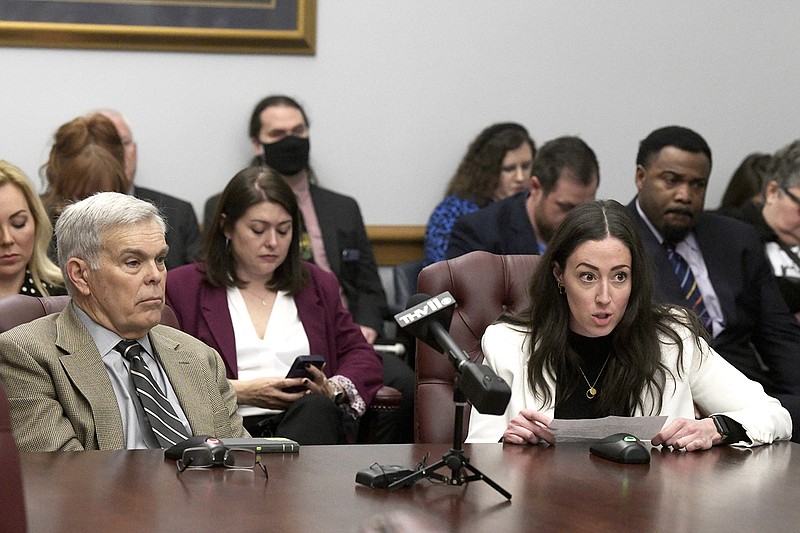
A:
234	458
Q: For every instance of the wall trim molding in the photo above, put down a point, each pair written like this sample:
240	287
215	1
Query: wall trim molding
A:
393	245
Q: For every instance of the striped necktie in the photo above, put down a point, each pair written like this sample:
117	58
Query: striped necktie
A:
689	289
166	425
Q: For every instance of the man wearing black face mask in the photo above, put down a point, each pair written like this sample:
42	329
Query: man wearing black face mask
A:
334	237
289	155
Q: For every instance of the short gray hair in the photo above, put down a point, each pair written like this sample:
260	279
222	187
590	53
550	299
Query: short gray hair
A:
81	226
785	167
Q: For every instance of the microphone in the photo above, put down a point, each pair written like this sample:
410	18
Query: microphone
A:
427	318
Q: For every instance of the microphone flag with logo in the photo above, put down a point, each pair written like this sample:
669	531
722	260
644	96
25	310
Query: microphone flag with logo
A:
428	319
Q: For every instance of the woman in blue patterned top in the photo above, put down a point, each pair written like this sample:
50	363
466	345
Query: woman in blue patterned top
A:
497	165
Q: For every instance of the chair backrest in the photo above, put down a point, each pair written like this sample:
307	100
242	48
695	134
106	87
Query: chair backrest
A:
18	309
484	286
12	500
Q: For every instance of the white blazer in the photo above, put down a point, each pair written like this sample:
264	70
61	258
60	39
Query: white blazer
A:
706	380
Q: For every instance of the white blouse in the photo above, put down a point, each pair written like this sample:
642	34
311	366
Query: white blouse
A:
284	339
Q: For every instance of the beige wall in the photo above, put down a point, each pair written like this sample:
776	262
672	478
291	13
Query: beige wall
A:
397	90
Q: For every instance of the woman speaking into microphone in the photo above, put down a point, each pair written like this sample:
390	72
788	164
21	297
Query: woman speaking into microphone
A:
593	344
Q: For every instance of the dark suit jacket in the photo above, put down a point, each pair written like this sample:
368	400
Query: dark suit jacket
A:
61	395
183	233
202	311
348	250
500	228
757	321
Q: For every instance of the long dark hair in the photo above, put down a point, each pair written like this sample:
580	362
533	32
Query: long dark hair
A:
479	171
747	181
636	365
249	187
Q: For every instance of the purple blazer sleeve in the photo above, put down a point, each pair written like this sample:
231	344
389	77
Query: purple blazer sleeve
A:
202	311
333	334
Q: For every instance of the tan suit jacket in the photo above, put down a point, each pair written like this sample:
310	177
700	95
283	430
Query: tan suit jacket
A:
61	396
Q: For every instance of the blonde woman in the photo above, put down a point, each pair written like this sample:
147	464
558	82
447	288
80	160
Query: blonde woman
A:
25	233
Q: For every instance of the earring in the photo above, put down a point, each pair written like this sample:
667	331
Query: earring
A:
561	289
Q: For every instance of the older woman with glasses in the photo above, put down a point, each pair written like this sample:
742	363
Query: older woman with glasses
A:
777	220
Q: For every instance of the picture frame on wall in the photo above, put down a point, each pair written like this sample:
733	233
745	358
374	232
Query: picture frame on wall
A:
223	26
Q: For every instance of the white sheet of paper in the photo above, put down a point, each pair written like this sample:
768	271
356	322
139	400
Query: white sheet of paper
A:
642	427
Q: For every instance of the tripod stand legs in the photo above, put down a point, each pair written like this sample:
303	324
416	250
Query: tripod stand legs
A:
455	459
458	463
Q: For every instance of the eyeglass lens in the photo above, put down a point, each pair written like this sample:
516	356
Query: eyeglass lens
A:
196	458
239	459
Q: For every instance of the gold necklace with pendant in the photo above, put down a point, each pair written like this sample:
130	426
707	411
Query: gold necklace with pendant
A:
591	392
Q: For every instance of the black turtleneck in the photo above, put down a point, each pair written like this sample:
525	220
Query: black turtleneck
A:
592	352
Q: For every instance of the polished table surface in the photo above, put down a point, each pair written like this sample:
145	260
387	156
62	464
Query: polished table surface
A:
558	488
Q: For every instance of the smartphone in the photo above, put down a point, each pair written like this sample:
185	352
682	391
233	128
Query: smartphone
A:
298	369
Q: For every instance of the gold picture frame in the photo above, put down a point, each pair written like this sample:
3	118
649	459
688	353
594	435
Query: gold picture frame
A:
273	38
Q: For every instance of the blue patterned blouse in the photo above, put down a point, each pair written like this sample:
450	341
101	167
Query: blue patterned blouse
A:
440	224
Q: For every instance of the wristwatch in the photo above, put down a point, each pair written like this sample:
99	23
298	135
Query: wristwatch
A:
722	428
338	392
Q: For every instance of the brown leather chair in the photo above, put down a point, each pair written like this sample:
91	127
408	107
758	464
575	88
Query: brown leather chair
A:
18	309
12	501
484	286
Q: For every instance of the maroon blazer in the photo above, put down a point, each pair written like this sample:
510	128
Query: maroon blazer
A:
202	312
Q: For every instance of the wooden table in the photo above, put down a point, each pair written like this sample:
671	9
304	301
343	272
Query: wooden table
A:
559	488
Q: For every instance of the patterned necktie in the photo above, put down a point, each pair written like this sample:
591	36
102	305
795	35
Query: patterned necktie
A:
689	288
166	425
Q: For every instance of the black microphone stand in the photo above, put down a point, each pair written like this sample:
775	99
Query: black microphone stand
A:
461	470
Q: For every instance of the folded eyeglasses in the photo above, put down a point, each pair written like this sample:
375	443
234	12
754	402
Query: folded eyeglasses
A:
233	458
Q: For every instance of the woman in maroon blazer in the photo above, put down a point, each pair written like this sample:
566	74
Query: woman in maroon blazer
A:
260	306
